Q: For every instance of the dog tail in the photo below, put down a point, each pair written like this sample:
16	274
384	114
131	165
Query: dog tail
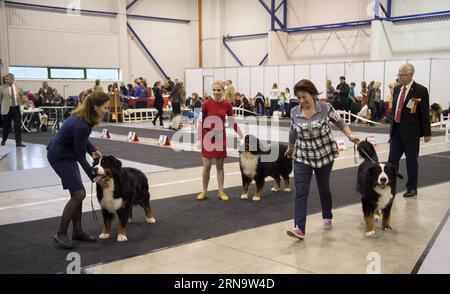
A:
367	151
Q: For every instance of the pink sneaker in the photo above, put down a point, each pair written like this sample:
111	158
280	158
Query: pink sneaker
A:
327	224
296	233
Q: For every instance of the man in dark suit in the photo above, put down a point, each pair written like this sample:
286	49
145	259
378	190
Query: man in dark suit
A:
10	100
411	121
343	89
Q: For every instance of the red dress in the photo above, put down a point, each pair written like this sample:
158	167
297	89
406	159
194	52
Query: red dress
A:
214	139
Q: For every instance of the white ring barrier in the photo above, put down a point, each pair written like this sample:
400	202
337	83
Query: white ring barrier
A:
239	112
347	117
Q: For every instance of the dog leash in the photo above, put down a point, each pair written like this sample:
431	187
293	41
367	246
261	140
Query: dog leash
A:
365	153
94	215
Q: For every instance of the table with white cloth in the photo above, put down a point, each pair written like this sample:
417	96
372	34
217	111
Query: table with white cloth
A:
27	116
56	113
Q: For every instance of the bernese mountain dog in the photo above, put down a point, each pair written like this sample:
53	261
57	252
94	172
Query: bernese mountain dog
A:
120	189
377	185
253	168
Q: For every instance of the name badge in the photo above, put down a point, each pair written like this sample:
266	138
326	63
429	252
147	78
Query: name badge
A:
410	103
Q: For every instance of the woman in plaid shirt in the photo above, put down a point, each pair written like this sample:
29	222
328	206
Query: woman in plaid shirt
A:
312	145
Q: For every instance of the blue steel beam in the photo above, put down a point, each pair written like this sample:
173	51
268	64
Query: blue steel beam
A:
330	26
264	59
58	8
131	4
272	15
389	8
146	49
285	14
384	10
228	37
279	5
158	18
231	51
421	16
377	9
269	11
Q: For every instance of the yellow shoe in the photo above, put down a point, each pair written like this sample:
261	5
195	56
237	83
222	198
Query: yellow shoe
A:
223	196
201	196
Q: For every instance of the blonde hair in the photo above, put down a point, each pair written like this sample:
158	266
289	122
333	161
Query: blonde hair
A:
221	84
87	111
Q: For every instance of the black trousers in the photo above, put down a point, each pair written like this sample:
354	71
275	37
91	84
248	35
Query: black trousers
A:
410	147
159	115
13	114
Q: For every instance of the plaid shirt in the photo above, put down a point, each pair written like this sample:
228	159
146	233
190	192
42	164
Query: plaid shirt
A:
313	139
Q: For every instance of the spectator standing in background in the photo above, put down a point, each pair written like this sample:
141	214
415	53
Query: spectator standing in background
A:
230	92
273	98
343	89
45	95
97	87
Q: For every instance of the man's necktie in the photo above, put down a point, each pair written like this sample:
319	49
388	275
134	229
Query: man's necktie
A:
400	105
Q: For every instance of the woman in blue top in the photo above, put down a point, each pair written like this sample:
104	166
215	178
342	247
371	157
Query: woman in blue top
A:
68	148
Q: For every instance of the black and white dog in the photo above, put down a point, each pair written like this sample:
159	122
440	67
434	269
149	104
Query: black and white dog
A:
377	184
253	168
120	189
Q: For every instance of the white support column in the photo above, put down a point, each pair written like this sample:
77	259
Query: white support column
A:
122	38
4	48
213	29
277	48
380	45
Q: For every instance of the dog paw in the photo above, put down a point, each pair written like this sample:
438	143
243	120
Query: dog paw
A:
103	236
151	220
370	234
122	238
130	220
387	228
256	198
244	196
287	190
274	189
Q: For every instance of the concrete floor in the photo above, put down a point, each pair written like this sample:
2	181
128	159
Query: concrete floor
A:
266	249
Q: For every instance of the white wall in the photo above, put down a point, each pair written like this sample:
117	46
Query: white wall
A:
174	45
52	38
233	17
420	39
431	73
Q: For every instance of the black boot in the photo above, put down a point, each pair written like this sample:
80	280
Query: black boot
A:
83	237
62	242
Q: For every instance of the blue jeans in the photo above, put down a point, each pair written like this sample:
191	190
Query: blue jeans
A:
282	108
302	178
273	106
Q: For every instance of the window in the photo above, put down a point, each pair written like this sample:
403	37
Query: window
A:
102	74
67	73
46	73
20	72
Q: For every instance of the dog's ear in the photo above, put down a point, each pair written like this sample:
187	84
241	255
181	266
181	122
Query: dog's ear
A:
395	171
115	162
96	161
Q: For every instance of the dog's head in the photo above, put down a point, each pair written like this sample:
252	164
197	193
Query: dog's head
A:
367	151
250	144
105	166
383	175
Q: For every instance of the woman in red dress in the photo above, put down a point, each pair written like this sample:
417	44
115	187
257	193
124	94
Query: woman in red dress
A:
213	137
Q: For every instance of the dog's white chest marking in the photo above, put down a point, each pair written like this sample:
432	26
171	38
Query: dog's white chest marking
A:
108	202
249	163
385	196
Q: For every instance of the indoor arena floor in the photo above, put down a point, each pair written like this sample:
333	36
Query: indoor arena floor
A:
217	239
